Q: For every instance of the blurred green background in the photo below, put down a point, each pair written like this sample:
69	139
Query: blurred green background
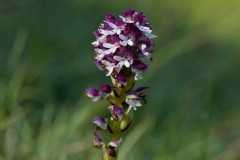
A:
46	63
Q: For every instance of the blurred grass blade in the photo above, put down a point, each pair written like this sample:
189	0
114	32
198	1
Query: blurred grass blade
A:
134	137
172	50
17	49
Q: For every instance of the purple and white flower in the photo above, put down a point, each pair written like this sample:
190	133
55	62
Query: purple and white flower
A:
121	80
138	68
122	61
100	122
134	98
133	101
105	90
115	144
97	141
125	40
108	66
116	111
93	93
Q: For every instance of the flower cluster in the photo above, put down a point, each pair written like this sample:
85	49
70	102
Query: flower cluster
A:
123	43
123	46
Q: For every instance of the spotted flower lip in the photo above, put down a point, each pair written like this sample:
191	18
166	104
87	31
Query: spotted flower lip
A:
116	111
115	144
100	122
93	93
123	42
97	141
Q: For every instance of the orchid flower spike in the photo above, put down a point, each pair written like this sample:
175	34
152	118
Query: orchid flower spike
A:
123	47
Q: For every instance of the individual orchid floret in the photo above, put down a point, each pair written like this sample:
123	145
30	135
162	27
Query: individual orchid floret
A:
100	122
146	52
105	90
140	92
135	98
116	111
108	66
97	141
122	61
93	93
128	15
133	101
138	69
126	40
115	144
120	80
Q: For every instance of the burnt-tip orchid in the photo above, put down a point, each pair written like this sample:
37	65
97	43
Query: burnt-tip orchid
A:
122	48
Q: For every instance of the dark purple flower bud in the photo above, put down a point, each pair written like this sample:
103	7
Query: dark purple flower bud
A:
116	111
140	18
121	80
105	90
128	54
109	17
130	12
127	16
112	153
149	44
106	26
97	34
97	141
140	91
115	144
138	68
93	93
100	122
98	64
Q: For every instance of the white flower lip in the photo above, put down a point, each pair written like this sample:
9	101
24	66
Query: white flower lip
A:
109	66
127	20
133	101
115	144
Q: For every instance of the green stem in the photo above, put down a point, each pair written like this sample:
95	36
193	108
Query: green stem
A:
115	136
116	98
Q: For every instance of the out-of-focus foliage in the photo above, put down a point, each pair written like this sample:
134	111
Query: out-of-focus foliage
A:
46	63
